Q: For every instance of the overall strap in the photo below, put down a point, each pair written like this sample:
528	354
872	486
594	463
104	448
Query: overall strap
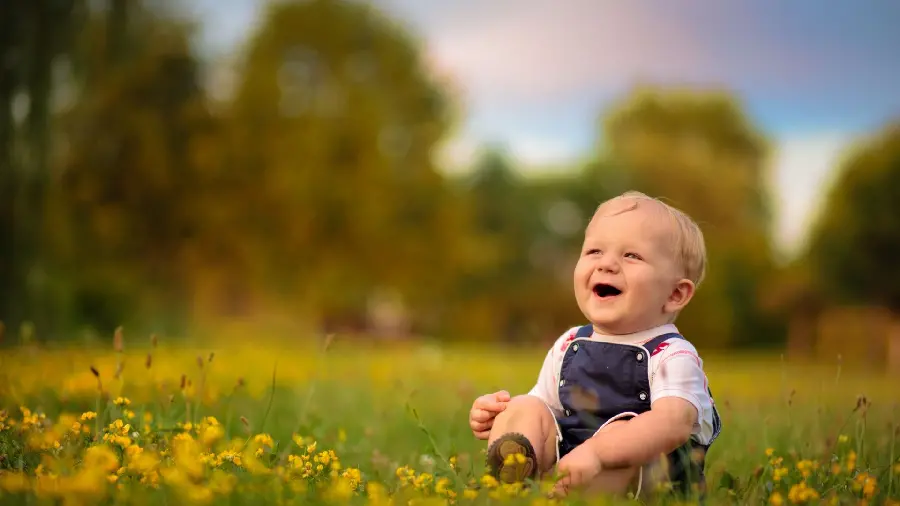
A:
654	343
585	331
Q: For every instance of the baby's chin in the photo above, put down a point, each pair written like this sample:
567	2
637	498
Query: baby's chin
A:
619	327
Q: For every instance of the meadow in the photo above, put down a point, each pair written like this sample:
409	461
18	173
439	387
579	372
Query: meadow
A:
379	423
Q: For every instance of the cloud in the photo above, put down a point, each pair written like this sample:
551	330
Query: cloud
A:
515	52
536	50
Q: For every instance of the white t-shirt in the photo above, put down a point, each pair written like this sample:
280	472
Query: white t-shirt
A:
675	369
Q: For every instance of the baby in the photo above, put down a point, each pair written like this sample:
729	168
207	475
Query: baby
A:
625	394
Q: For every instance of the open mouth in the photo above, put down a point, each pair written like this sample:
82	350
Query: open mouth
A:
603	290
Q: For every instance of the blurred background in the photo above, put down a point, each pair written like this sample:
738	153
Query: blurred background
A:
409	169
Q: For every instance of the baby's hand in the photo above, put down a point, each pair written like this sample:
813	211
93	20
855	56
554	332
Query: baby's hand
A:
484	410
580	467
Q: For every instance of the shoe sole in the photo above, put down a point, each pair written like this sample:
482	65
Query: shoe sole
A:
506	445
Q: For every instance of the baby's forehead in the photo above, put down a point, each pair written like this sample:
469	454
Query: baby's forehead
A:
653	219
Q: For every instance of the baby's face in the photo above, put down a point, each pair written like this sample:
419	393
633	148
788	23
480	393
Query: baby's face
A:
627	278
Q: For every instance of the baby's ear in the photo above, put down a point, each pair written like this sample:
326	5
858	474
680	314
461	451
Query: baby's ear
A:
680	296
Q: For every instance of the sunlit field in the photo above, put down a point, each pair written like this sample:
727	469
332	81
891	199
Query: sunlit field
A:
387	423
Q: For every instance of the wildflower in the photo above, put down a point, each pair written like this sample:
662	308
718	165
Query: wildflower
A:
353	476
405	474
423	481
897	468
866	483
122	401
470	494
802	493
843	438
770	452
264	440
14	483
453	462
489	481
211	435
805	467
779	473
101	457
776	499
377	494
851	461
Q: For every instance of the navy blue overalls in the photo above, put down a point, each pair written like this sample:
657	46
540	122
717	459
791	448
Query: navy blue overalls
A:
600	380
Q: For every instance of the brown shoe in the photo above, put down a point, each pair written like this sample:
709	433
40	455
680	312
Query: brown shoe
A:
504	461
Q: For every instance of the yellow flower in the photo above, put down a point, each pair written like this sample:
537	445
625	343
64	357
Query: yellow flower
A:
14	482
122	401
88	415
805	467
851	460
866	483
897	468
101	457
801	493
211	435
770	452
264	440
470	493
843	438
779	473
489	481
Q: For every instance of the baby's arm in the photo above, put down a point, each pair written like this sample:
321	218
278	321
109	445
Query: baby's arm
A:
642	439
678	413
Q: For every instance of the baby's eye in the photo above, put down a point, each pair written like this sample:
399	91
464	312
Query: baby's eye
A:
633	255
593	251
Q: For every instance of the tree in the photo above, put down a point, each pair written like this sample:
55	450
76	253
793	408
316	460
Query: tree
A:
35	36
699	152
855	243
130	213
334	122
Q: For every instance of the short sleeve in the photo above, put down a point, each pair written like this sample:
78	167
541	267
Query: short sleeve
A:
678	372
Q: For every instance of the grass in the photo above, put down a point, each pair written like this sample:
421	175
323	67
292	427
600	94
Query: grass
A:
824	432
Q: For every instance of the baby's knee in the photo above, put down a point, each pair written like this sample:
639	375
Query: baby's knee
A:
528	405
526	401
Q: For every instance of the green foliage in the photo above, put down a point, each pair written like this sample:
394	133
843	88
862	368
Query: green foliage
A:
310	191
855	244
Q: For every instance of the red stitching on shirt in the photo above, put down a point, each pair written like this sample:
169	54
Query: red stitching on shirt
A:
663	345
684	352
567	341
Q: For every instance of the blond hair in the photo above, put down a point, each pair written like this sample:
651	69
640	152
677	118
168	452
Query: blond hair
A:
690	247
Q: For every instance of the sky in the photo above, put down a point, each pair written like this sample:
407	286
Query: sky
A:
535	75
